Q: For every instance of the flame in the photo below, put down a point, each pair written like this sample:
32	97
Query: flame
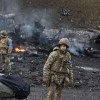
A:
19	50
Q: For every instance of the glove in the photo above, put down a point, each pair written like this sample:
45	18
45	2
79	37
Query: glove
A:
46	81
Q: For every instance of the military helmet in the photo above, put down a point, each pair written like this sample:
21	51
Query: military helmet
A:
64	41
3	33
55	48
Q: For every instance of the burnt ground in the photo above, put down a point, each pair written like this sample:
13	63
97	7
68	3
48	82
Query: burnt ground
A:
86	82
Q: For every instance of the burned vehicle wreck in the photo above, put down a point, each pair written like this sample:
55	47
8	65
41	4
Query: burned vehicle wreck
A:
44	40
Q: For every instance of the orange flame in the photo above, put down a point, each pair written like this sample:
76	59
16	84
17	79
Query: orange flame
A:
19	50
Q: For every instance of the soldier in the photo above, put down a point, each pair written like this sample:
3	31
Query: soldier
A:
57	71
5	51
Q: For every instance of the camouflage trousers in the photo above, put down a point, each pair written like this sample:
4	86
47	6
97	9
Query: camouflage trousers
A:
57	82
6	66
5	92
54	90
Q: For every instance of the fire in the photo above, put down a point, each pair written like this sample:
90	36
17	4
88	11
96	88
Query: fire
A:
19	49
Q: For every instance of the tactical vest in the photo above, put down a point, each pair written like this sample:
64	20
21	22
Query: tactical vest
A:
62	63
3	46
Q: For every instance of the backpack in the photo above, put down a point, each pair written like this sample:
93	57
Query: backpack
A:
20	88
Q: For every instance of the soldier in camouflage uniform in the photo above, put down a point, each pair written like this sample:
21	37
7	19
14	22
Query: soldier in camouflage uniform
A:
5	51
57	71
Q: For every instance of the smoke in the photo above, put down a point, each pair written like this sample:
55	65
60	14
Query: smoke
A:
79	39
26	31
33	22
28	17
77	48
10	6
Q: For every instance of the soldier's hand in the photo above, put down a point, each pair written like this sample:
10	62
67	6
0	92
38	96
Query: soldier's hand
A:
46	81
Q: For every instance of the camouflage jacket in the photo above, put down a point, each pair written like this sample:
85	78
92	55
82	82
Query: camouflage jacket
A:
57	62
5	45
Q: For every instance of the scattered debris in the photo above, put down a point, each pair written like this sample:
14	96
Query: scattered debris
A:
92	52
65	12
